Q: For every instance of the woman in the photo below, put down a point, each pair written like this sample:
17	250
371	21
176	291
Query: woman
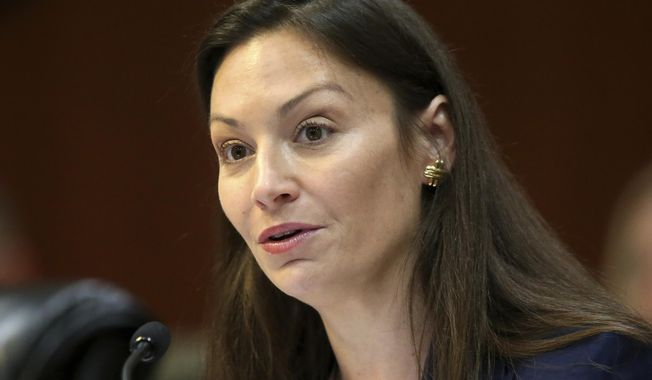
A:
628	252
374	233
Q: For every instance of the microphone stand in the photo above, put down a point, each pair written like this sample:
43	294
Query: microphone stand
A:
134	358
148	344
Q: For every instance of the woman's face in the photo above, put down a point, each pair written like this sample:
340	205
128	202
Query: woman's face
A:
310	173
637	235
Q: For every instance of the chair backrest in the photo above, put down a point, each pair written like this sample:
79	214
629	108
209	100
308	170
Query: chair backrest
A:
75	331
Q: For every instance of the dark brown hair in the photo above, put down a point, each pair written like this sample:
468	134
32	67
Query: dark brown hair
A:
493	278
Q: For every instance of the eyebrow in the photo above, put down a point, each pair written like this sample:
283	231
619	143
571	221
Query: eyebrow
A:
284	109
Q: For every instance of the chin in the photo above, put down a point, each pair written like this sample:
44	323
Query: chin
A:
301	280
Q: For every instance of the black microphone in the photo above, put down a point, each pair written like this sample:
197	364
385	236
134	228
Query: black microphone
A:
148	344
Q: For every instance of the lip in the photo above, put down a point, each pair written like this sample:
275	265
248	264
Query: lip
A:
277	247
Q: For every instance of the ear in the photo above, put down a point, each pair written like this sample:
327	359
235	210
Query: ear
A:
439	133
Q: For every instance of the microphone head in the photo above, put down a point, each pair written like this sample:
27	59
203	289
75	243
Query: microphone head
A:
156	335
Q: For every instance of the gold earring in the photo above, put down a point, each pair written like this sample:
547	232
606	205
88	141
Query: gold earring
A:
435	172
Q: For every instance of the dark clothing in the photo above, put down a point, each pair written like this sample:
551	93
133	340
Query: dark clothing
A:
606	356
601	357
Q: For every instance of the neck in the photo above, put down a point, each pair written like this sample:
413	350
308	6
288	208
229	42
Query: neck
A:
371	335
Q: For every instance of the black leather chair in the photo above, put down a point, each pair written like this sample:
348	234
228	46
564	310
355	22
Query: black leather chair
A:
75	331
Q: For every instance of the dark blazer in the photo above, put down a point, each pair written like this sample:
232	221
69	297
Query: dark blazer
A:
605	356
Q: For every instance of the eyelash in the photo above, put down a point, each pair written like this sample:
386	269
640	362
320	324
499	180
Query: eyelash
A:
309	124
223	149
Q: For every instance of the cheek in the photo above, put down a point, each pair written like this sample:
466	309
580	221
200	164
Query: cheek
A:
232	199
369	191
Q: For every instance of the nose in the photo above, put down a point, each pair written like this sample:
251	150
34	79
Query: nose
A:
275	184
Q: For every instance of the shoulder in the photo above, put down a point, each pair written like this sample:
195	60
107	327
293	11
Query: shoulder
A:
600	357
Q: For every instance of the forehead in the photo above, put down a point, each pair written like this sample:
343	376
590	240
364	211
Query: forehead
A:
274	66
269	55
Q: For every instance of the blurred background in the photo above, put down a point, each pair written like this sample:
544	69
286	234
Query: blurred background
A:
106	168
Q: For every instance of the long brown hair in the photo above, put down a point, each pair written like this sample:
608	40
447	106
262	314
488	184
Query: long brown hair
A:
494	279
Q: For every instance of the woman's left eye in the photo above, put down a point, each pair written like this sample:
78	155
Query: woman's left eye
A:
312	133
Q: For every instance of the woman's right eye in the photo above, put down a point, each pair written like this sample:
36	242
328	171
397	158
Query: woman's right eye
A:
233	151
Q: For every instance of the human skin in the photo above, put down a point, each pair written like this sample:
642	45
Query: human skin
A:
332	160
637	236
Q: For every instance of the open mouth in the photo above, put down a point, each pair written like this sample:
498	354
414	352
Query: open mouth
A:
285	235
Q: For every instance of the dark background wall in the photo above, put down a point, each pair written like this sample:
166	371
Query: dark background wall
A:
107	163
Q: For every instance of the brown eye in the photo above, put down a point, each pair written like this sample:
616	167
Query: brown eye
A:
238	152
235	151
312	133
